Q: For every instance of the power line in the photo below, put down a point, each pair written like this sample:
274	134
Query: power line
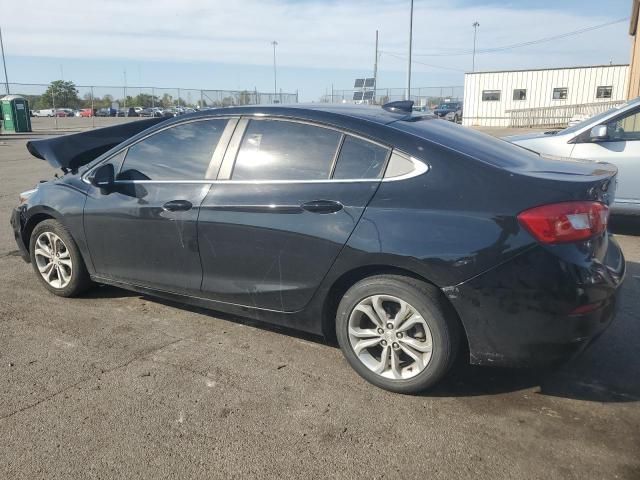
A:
404	57
524	44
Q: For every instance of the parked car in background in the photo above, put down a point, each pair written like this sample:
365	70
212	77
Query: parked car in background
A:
577	118
46	112
171	112
408	238
84	112
451	111
127	112
106	112
612	136
64	112
151	112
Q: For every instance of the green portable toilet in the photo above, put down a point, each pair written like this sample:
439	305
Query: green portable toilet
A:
15	114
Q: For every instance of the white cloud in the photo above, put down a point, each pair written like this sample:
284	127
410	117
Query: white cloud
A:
314	33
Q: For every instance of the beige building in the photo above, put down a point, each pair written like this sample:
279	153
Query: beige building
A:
545	97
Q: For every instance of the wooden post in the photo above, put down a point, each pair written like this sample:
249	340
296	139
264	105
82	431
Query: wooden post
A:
633	78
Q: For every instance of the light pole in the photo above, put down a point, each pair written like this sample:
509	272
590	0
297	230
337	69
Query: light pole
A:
475	33
125	88
275	76
4	63
410	45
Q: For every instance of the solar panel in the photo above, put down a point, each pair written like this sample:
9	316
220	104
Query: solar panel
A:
369	82
357	95
368	95
359	83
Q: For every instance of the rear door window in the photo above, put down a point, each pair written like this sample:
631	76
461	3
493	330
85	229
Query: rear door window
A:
360	159
181	152
283	150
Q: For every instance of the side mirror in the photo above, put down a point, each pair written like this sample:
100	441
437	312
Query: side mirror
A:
598	133
104	177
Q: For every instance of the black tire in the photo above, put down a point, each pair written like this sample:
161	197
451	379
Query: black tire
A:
429	302
80	281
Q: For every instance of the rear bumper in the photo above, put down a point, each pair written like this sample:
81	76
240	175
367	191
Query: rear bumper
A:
543	307
17	224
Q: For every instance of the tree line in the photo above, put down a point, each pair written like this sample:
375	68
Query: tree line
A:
64	94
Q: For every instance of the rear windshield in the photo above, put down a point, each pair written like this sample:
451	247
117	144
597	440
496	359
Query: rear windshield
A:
485	148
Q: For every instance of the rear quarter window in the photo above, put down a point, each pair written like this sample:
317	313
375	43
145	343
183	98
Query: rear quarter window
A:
483	147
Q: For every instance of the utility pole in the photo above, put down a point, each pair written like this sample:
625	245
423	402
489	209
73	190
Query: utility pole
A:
93	112
475	33
275	76
410	46
375	70
4	64
125	90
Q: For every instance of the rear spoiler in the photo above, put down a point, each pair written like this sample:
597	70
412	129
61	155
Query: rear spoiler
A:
69	152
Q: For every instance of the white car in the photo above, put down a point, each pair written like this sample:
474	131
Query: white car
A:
612	136
47	112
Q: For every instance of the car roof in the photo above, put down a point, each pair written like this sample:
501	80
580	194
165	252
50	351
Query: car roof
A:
367	113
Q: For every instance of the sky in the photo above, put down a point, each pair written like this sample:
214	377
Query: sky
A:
212	44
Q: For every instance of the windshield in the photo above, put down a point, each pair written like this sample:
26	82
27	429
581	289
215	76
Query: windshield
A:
447	106
598	116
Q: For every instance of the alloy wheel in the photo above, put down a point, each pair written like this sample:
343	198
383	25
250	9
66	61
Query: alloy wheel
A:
53	260
390	337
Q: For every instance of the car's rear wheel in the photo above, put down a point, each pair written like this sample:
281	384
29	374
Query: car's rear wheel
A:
57	260
397	332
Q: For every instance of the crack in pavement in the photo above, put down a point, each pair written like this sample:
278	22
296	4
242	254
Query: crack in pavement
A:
90	377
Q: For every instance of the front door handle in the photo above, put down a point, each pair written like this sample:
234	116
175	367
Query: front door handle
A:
177	206
322	206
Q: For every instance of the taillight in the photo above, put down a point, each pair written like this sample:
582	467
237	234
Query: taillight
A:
565	222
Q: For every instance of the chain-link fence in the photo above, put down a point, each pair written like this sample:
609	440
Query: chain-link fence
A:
428	97
62	99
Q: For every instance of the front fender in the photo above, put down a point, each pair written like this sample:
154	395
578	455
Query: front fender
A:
62	200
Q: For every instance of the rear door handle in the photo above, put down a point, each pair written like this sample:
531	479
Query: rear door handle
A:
322	206
177	206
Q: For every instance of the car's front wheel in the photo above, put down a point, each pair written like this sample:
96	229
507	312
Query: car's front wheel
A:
57	261
397	332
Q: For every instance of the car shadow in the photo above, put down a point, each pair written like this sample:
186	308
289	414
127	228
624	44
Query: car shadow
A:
114	292
107	291
608	371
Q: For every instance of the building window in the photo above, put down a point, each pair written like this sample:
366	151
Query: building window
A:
491	95
520	94
559	93
604	92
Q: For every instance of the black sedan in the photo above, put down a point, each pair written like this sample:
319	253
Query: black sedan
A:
409	239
